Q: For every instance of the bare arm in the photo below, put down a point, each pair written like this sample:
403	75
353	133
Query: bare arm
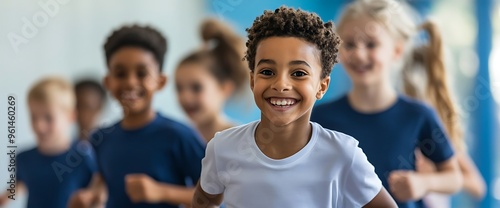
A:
174	194
408	185
473	181
202	199
143	188
382	200
4	197
446	180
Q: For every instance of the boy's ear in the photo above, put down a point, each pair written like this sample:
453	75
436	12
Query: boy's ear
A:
73	115
105	81
399	50
323	87
162	81
228	88
251	80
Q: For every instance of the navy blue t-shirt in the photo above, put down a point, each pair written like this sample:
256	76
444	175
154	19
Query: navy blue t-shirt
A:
51	179
389	138
167	151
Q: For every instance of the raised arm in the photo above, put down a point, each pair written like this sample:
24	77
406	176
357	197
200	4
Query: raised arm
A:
142	188
410	185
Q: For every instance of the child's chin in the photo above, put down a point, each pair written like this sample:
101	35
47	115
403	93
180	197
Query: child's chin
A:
281	122
135	110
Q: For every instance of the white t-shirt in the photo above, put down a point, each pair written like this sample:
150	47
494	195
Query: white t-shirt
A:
330	171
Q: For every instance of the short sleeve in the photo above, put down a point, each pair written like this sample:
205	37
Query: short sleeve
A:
209	180
192	150
361	183
433	141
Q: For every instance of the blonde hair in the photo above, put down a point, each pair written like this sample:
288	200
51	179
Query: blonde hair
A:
396	17
53	91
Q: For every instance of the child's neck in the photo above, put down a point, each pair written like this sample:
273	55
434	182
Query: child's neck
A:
85	133
279	142
134	121
56	149
373	98
208	129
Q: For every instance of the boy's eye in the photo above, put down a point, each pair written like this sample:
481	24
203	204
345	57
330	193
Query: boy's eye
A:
142	73
120	74
299	74
196	88
47	118
266	72
349	45
371	45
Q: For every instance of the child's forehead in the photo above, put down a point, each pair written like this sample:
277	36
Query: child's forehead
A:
47	107
287	48
132	54
362	28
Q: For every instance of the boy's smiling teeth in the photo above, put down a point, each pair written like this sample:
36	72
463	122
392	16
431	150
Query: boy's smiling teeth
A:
282	101
130	95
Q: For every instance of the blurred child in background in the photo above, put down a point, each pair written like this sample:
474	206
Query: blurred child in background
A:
146	159
389	126
206	78
425	79
55	168
90	100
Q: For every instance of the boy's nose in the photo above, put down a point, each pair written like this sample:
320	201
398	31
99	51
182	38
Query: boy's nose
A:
281	84
131	80
359	53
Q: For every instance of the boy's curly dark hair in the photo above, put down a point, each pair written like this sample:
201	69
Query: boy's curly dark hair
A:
144	37
289	22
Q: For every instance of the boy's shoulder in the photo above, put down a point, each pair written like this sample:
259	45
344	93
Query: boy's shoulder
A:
415	107
28	154
334	139
335	102
336	106
233	134
169	124
161	123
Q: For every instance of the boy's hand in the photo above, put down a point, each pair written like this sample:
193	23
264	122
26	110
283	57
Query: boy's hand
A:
406	185
83	199
142	188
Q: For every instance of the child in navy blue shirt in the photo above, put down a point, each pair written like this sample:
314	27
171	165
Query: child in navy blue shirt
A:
146	159
389	126
56	168
90	100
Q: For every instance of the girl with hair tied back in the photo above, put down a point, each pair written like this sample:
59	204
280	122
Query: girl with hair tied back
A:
390	126
207	78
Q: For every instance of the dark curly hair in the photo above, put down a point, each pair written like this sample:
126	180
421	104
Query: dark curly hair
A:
90	84
145	37
289	22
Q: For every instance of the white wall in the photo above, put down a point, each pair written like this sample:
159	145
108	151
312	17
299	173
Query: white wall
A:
70	44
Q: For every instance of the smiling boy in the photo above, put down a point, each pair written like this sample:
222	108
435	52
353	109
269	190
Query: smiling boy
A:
145	160
284	160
